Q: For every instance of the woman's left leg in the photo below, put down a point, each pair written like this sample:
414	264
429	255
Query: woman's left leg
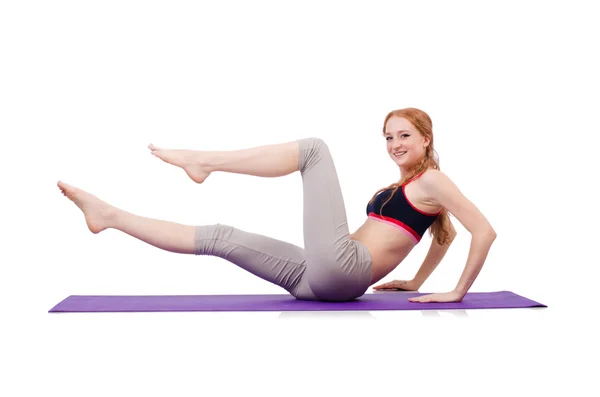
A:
99	215
275	261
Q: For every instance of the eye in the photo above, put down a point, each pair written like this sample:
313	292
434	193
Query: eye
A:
405	135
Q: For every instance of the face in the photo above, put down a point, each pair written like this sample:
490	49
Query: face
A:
405	144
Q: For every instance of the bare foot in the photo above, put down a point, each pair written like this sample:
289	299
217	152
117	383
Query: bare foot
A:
188	160
97	213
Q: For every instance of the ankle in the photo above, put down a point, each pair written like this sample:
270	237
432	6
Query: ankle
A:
111	216
211	161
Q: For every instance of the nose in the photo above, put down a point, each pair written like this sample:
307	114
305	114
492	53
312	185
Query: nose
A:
396	146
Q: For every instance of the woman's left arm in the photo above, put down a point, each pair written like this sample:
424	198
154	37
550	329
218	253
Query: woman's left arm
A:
442	190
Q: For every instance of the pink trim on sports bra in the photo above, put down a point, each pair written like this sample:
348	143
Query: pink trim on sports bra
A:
407	230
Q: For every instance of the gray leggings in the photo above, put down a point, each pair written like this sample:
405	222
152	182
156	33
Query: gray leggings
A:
331	267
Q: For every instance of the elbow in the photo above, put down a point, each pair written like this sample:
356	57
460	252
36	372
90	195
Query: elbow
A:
492	233
487	234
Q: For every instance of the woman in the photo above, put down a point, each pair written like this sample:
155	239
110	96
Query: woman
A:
334	265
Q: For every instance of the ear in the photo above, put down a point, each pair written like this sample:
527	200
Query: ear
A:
426	142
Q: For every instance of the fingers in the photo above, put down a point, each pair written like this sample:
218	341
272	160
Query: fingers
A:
437	297
390	285
385	285
423	298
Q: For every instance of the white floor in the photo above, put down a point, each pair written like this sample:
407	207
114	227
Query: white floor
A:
500	352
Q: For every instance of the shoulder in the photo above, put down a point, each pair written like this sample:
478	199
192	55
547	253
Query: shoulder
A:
431	177
439	187
443	191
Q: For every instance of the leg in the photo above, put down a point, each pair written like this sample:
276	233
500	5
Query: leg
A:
266	161
338	268
99	216
275	261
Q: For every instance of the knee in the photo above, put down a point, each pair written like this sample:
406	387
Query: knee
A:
208	238
312	150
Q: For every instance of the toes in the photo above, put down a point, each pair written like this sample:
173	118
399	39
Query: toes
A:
63	186
160	154
66	189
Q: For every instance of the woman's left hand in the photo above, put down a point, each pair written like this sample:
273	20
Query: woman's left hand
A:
452	296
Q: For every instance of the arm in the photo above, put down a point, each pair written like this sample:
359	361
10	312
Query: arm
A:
434	256
443	191
480	246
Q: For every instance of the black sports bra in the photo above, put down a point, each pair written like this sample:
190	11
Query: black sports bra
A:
401	213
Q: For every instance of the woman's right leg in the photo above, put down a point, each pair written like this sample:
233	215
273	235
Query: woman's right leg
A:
338	268
269	161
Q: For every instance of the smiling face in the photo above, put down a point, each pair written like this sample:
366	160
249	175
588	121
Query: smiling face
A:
405	144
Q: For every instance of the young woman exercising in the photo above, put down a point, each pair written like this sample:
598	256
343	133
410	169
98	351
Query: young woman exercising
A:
334	264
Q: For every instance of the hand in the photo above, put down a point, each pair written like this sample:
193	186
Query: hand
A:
439	297
409	285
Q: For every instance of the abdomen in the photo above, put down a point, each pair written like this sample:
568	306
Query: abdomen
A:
387	245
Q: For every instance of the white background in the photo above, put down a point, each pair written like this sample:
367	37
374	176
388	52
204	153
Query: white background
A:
512	88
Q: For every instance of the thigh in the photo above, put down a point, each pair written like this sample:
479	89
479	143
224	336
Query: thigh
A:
275	261
337	267
324	210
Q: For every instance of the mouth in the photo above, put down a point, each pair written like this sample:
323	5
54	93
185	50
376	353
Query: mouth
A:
399	154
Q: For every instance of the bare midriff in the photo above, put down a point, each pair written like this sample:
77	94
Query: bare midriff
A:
387	246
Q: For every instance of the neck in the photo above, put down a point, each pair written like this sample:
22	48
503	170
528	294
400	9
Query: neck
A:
406	172
412	172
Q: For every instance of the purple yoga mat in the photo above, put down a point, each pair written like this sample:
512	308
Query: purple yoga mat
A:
214	303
